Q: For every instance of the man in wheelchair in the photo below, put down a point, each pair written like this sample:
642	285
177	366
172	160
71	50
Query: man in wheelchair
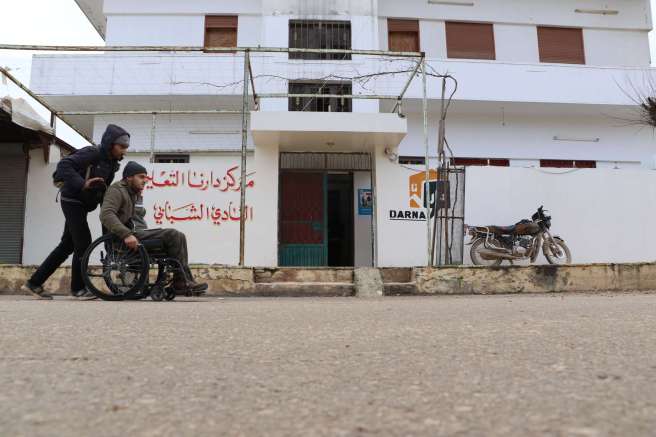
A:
120	211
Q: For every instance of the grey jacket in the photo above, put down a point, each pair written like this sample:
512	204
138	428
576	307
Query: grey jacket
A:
118	209
139	218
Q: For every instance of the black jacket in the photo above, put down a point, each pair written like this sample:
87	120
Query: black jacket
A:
72	170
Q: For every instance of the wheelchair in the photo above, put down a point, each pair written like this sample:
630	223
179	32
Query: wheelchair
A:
113	272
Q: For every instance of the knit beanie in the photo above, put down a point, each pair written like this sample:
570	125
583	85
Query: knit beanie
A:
132	168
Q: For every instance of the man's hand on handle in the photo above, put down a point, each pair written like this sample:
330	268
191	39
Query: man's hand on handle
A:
131	242
93	181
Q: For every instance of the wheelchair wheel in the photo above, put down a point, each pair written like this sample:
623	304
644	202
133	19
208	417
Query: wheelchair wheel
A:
170	294
157	293
113	272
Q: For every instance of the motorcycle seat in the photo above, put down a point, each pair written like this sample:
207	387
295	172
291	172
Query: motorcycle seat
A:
502	230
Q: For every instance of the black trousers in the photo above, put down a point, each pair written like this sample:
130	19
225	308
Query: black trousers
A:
75	240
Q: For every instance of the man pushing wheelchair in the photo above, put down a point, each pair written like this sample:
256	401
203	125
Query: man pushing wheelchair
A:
118	213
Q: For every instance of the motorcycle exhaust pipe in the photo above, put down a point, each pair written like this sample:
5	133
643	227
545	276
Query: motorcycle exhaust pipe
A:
489	254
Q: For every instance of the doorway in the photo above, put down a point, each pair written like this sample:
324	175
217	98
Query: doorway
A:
316	219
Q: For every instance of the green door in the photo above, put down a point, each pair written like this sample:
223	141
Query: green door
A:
303	232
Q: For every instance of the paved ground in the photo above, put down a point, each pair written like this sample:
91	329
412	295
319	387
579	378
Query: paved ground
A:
556	365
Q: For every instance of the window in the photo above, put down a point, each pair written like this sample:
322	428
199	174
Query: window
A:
470	40
171	159
320	104
561	45
310	34
495	162
221	31
403	35
412	160
566	163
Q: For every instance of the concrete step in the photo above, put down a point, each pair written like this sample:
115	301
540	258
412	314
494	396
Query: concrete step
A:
303	275
397	274
399	288
304	289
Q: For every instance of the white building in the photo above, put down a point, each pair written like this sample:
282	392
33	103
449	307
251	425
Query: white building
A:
542	86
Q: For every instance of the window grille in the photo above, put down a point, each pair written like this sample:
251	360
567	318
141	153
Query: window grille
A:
320	104
312	34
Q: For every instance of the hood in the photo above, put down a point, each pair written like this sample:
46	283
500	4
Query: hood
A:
111	134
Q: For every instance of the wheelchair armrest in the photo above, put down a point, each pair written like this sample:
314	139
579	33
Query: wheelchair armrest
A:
153	244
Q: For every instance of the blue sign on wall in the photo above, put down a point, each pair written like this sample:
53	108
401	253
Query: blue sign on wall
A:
365	201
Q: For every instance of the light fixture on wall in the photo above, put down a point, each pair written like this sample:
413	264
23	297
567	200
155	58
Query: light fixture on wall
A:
391	154
450	3
580	140
597	11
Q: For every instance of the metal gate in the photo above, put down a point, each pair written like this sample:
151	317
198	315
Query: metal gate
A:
13	181
303	238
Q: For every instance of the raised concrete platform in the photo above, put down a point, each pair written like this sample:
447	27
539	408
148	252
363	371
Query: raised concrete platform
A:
235	281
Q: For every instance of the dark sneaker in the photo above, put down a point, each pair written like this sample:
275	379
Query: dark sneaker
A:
84	294
181	287
196	287
36	290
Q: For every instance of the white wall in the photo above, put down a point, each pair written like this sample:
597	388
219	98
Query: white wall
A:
633	14
177	132
603	215
262	237
362	237
432	38
516	43
399	243
208	241
495	133
616	47
156	30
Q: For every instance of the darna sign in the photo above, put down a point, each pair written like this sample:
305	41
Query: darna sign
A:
423	194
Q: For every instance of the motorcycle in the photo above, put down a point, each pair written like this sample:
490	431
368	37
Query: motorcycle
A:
491	245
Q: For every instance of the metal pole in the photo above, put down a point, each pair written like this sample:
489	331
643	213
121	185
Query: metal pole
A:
146	112
153	127
420	63
440	171
244	141
374	201
424	101
53	125
328	96
252	77
51	48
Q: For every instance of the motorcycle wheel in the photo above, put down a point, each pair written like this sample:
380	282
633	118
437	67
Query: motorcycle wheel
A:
476	257
565	256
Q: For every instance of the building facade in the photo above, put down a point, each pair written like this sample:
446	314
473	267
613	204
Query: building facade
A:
544	88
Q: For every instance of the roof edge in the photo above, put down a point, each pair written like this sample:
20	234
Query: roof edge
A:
99	28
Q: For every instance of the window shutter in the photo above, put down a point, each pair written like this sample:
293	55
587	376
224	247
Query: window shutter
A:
470	40
561	45
222	21
220	31
403	35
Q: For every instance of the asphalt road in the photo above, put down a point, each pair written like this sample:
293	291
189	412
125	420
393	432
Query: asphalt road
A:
558	365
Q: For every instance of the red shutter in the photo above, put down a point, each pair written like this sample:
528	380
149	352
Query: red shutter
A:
470	40
403	35
500	162
585	164
561	45
469	161
557	163
221	31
